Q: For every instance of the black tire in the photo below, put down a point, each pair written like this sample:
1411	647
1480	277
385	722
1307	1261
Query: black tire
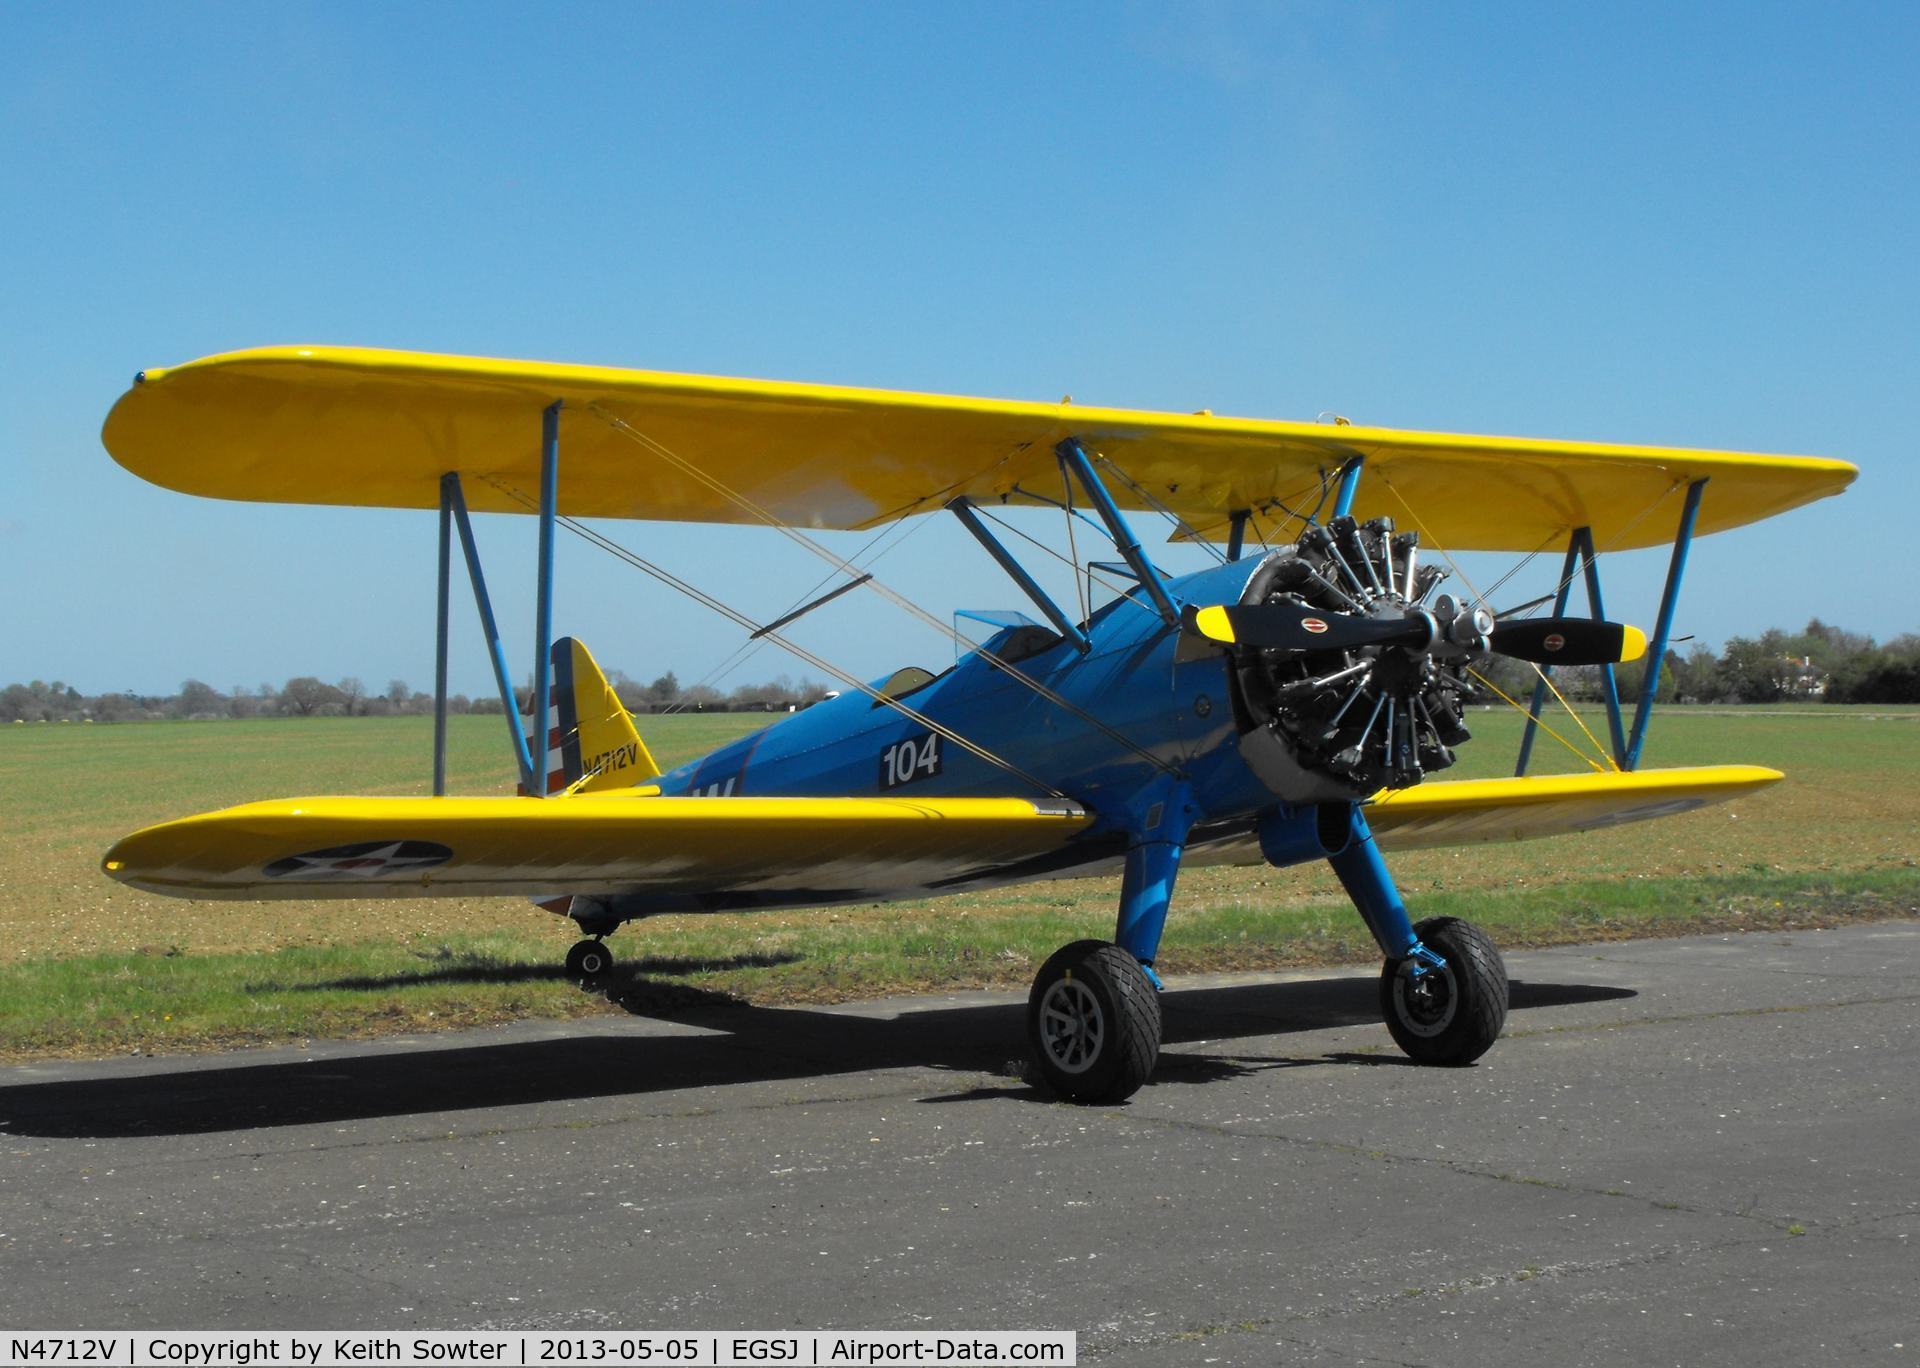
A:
589	961
1452	1016
1093	1023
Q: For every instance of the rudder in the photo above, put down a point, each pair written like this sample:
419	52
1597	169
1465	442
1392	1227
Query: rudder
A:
592	744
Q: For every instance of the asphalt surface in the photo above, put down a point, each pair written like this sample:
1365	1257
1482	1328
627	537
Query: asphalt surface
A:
1685	1151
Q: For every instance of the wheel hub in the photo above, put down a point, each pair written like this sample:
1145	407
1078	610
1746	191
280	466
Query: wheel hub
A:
1072	1026
1425	1004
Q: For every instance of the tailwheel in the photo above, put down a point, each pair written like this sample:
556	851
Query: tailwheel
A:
1447	1016
1093	1022
589	961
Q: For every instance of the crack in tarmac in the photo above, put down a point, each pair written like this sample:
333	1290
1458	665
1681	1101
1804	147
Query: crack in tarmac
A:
1363	1303
1229	1132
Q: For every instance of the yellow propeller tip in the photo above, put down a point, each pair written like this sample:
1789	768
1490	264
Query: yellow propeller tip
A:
1214	624
1633	642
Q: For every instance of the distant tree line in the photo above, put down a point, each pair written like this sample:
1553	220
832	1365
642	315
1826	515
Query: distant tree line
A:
308	696
1820	664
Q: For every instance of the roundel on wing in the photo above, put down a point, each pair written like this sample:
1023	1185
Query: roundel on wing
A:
1314	625
361	860
1553	641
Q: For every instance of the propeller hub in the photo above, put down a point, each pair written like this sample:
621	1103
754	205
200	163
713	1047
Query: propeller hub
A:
1340	657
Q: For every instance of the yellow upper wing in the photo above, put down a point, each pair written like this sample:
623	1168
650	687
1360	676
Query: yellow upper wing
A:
734	851
333	425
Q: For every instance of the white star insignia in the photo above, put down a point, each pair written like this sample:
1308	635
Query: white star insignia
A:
381	860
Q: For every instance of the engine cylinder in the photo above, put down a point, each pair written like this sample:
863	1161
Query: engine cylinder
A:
1349	721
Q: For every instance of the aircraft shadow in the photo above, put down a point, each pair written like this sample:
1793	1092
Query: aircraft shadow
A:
740	1044
635	975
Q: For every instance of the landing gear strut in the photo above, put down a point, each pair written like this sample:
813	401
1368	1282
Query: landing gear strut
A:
1093	1017
589	961
1443	989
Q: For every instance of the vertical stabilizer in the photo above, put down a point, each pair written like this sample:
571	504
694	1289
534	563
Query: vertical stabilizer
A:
590	736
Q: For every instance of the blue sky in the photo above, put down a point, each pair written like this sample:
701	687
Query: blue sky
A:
1674	224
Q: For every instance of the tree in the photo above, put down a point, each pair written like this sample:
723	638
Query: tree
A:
353	693
305	695
17	704
1514	678
1630	676
197	699
398	694
1697	678
1754	671
1888	675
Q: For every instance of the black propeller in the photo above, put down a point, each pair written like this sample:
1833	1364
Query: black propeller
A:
1569	641
1292	627
1295	627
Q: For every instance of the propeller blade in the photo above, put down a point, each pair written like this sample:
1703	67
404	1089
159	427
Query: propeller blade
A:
1290	627
1569	641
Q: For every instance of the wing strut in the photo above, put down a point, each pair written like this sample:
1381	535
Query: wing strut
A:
542	725
453	505
673	581
1075	457
899	600
962	508
1663	627
441	602
1237	533
1580	556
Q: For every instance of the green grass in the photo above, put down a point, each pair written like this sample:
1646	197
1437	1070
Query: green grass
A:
89	967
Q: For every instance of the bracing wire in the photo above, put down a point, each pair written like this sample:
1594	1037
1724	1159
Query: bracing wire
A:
1523	563
1105	580
1586	759
892	596
1080	594
1180	524
1608	762
707	600
749	648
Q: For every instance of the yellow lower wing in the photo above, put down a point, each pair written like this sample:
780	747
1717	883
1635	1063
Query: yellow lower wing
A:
1472	810
752	850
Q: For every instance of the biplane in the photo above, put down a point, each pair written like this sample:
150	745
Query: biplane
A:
1290	701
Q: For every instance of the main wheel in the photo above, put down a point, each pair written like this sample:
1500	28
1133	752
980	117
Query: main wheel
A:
1447	1016
589	960
1093	1021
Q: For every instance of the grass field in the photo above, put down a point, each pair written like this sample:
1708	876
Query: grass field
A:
87	966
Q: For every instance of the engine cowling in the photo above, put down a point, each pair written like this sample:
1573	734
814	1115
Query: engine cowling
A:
1347	720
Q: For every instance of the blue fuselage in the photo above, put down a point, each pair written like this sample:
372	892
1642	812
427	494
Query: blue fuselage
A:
1130	682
